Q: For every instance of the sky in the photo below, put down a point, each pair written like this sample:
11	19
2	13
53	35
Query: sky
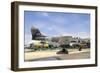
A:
57	24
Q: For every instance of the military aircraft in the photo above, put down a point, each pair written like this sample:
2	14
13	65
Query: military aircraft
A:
38	39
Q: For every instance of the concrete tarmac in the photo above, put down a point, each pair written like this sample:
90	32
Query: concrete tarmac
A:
51	55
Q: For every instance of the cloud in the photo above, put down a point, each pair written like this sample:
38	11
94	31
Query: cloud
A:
83	35
28	38
50	28
44	14
58	19
60	31
51	24
39	25
57	30
78	34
